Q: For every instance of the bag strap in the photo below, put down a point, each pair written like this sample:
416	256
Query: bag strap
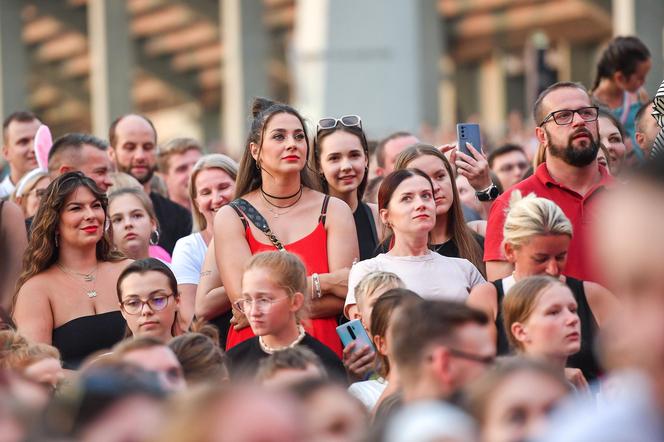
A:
245	209
323	209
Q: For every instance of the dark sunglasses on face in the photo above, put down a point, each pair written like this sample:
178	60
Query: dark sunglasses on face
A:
346	120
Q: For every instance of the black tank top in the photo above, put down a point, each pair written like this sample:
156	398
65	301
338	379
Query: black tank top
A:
83	336
585	359
365	225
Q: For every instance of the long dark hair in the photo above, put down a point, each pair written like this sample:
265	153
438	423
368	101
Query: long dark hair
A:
42	251
249	173
386	190
622	54
316	153
461	234
392	181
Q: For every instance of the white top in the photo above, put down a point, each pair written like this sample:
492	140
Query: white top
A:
432	276
368	392
188	256
6	188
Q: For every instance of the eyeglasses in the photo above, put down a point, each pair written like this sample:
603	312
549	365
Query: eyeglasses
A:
39	193
134	306
565	116
260	304
486	360
346	120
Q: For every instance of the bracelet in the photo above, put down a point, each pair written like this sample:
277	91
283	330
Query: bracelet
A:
315	292
485	190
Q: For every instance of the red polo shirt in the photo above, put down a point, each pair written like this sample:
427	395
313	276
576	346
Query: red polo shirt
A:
579	209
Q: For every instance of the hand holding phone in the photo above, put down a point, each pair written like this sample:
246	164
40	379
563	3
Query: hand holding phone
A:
468	133
353	331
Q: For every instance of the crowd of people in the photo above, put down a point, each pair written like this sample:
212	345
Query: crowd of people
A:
327	287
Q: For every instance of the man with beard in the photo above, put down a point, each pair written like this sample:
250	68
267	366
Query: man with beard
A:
134	150
570	176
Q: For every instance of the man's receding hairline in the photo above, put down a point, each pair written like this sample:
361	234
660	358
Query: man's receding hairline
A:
141	117
561	88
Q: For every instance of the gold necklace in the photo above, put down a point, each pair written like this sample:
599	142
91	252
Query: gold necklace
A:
87	277
269	350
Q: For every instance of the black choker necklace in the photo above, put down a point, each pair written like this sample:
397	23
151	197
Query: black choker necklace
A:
281	197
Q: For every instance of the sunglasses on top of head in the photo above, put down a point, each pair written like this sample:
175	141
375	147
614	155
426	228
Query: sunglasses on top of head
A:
346	120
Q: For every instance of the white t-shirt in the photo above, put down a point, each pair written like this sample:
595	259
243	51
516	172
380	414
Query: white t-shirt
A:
188	256
368	392
432	276
6	187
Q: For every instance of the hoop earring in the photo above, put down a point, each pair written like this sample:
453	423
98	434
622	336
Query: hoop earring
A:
56	240
154	237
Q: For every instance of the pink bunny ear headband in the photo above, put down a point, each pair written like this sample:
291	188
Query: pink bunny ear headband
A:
42	145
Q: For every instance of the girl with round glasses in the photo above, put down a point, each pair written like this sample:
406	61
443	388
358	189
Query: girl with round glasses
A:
341	159
66	293
276	208
149	299
274	301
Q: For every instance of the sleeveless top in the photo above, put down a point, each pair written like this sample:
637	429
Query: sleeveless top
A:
312	250
81	337
367	237
585	359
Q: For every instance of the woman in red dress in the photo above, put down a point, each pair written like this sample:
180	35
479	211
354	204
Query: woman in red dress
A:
276	208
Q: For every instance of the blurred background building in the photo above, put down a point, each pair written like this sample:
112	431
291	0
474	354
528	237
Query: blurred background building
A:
193	66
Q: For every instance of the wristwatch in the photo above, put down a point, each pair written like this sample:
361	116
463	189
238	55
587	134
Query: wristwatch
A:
488	194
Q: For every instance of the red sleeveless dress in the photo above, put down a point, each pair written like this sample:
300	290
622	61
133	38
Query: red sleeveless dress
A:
312	250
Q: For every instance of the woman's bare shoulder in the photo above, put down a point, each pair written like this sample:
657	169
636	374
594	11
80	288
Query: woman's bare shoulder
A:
38	286
337	206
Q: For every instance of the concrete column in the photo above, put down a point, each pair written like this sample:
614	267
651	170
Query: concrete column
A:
493	105
646	16
14	66
448	95
111	63
379	59
244	67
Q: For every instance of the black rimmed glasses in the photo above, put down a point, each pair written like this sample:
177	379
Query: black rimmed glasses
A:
566	116
346	120
261	304
134	306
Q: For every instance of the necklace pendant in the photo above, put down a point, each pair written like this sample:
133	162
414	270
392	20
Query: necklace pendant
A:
91	294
